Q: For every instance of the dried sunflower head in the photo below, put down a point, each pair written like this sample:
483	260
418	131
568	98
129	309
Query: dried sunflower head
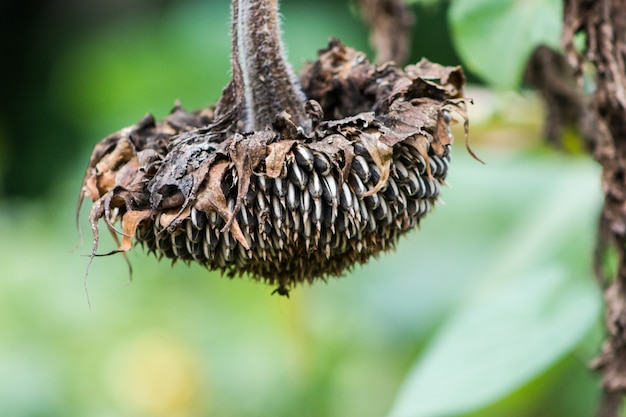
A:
294	201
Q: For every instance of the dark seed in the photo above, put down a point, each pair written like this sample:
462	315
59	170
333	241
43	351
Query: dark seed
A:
400	171
262	182
391	192
380	212
315	186
318	211
360	149
357	185
372	201
345	197
413	183
193	234
305	202
329	189
279	187
298	176
322	164
304	157
359	165
198	218
293	199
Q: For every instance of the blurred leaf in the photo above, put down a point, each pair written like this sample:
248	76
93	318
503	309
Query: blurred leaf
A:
522	319
496	37
505	336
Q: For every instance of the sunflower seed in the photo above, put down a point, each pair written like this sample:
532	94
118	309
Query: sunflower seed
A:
364	213
330	215
193	234
206	249
361	168
298	176
322	163
280	188
261	203
198	218
305	202
400	171
297	222
345	197
277	208
413	183
304	157
262	183
329	189
318	213
315	186
401	202
211	237
375	177
293	199
213	219
372	201
391	192
357	185
380	212
360	149
429	188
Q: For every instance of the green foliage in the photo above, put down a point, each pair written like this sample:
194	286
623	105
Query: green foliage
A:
506	335
496	37
488	310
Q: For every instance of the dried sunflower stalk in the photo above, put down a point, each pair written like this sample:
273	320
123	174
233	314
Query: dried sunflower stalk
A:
284	180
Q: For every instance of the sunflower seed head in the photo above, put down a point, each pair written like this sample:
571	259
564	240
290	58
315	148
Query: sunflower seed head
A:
286	210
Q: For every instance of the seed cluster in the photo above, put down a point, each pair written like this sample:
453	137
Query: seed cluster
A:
304	223
282	205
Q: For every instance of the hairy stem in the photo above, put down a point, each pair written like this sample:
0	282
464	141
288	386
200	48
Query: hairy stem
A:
270	83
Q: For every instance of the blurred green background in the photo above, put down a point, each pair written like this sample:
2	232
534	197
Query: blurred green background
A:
488	310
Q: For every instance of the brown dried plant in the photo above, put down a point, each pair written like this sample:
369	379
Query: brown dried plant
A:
286	180
597	109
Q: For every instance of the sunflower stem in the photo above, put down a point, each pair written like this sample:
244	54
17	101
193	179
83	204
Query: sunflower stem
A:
270	84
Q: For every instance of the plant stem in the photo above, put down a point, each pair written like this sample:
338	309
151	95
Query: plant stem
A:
270	83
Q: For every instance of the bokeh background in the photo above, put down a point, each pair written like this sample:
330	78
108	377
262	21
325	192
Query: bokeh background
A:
488	310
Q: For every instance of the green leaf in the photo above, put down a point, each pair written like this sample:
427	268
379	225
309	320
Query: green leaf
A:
506	336
523	317
496	37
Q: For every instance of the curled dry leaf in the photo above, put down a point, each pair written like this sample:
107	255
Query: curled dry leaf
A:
285	205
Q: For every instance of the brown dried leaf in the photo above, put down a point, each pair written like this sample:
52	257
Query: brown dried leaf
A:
246	153
420	143
276	154
130	221
405	119
182	171
450	79
285	127
457	106
381	155
122	153
211	198
337	148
